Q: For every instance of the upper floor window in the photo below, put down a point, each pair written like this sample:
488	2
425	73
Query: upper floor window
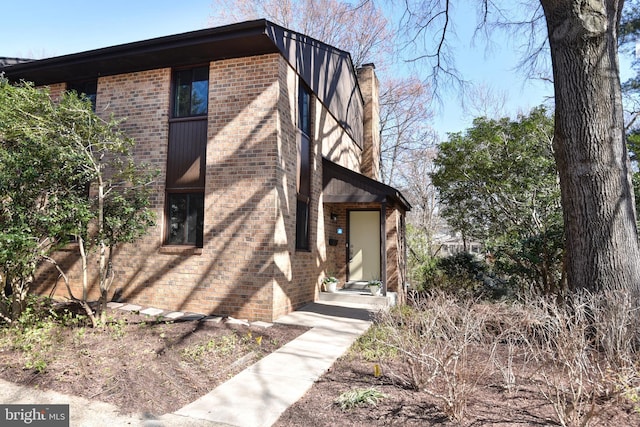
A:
304	109
86	88
186	159
191	92
303	142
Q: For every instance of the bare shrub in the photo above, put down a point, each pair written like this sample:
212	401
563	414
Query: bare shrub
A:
582	347
433	337
580	353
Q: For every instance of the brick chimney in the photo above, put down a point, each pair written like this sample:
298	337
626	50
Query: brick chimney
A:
369	86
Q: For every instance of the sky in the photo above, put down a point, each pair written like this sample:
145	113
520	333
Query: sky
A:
42	28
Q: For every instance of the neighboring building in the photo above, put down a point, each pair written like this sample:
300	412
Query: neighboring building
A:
447	242
268	145
5	62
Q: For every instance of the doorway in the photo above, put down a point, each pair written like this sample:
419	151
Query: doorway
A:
364	246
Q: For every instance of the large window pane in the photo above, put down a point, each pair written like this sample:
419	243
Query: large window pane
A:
302	225
87	88
185	218
191	91
304	109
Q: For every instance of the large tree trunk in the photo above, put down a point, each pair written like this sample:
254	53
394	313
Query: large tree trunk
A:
602	249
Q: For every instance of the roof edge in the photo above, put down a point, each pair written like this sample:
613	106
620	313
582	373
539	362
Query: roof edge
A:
388	190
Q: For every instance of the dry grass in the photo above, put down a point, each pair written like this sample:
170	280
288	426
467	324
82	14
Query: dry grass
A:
579	354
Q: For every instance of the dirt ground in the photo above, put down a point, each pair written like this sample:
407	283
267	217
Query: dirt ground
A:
139	364
488	403
143	365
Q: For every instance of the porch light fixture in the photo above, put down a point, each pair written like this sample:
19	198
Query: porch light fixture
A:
334	217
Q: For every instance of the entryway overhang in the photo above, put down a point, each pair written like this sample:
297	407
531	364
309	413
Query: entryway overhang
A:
342	185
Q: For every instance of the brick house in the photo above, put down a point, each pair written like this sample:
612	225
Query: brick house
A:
268	146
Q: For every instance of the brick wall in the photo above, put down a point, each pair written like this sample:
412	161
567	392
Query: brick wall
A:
143	100
248	266
369	86
297	271
240	213
233	273
336	258
56	90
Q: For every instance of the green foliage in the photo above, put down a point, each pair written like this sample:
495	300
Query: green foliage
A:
36	332
42	182
50	155
421	264
359	397
223	345
371	345
633	144
464	275
498	183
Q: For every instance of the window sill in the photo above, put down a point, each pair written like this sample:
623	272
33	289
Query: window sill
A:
181	250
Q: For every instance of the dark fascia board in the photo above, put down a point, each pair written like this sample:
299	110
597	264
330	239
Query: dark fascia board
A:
230	41
366	189
328	71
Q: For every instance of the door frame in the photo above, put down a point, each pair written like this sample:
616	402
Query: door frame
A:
382	237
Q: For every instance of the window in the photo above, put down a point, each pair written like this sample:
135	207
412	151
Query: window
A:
185	218
186	158
88	88
304	109
304	167
191	92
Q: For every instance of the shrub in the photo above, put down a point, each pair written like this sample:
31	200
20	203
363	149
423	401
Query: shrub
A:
359	397
433	338
463	275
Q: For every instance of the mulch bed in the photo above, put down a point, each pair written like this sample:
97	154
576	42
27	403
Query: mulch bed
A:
142	365
489	403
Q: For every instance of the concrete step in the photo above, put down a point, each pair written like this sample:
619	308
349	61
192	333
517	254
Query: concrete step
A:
359	296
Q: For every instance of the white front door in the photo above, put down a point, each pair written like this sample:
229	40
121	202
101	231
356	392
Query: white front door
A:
364	245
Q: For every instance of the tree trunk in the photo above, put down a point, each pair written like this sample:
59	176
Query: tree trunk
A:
602	249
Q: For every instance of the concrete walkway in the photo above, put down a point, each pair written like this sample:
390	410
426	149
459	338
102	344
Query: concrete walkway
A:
261	393
255	397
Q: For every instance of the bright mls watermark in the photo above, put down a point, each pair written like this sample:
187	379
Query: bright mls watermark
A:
34	415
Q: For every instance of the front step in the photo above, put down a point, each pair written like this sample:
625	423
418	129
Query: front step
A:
360	297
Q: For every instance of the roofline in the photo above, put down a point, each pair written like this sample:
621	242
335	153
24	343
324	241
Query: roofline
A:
149	46
387	190
164	43
327	70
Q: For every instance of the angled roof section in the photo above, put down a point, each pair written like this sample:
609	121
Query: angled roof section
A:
342	185
327	70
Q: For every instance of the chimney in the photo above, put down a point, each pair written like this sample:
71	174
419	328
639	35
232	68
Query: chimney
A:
369	86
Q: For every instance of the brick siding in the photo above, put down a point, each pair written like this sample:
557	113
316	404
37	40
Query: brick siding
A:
248	266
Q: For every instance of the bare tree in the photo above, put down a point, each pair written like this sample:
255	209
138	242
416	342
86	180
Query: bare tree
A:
483	101
360	29
404	124
415	179
602	248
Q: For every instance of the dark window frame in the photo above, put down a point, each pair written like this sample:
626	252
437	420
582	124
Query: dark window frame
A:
304	116
195	187
87	88
175	87
198	227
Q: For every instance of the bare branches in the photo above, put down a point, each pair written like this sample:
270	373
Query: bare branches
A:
360	29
